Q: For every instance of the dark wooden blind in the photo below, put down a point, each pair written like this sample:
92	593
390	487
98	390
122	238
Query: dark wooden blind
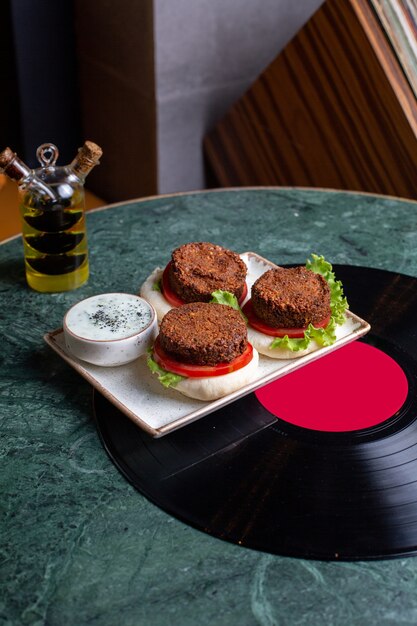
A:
333	110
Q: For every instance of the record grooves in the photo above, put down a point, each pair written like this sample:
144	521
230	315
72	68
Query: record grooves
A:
245	476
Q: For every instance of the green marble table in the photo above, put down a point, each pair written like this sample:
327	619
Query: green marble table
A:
78	544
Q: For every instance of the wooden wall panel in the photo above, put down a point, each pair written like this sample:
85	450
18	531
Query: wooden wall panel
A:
333	110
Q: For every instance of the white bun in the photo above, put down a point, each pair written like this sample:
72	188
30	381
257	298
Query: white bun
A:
153	296
262	343
214	387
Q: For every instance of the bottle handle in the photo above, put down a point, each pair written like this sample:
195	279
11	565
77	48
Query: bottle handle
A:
47	154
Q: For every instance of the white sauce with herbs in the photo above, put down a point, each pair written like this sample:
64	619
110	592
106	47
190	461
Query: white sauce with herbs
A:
109	316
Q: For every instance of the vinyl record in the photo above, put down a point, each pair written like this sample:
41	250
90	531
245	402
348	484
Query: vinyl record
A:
324	466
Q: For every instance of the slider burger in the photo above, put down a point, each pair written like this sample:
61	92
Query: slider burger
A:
195	271
295	311
202	351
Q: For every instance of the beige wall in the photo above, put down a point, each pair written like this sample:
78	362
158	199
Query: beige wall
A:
155	75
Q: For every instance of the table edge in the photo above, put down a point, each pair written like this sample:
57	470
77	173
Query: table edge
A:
220	189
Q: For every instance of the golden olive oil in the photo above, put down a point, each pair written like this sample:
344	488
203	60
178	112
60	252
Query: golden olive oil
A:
52	212
55	242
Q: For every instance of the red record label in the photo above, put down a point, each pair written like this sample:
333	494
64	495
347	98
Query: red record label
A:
353	388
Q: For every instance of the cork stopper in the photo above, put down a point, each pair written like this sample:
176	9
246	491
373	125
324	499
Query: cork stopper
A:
12	166
88	156
91	151
6	157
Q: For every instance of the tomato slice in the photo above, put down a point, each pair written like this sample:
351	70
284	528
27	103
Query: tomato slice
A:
292	333
168	293
200	371
175	300
244	294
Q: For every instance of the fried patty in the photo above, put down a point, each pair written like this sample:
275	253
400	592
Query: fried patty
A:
203	334
291	298
198	269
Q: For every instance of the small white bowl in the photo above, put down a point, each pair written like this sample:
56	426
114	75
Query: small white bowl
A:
110	329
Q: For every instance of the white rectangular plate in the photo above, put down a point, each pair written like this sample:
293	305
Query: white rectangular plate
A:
157	410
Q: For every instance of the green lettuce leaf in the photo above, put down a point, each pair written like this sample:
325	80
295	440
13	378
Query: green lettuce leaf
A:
338	306
291	344
338	303
167	379
157	286
323	336
228	299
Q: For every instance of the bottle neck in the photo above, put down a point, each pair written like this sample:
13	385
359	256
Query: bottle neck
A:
87	157
18	171
14	168
81	167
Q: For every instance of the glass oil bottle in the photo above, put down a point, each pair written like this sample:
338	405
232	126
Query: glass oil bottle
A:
52	209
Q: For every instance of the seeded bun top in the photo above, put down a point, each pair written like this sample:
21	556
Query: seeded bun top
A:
198	269
203	334
291	298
